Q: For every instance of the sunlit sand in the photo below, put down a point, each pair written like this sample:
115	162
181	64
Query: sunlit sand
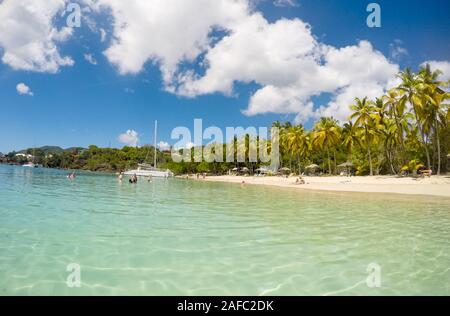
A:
435	186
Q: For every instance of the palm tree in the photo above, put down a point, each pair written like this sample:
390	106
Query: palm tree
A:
297	141
282	138
388	134
411	88
396	109
366	118
350	136
434	108
326	134
437	117
243	148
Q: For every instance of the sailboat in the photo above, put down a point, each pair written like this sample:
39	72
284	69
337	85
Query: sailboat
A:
31	164
146	170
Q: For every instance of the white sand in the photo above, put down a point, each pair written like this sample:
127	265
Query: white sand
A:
436	186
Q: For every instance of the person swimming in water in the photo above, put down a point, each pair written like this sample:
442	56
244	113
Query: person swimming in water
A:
133	179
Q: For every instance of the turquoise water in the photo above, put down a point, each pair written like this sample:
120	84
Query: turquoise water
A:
177	237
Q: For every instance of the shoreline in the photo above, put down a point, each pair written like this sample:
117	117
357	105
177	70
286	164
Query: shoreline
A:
436	186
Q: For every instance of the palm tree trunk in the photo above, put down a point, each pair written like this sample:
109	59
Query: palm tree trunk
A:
370	160
427	153
389	156
329	162
438	142
422	136
400	134
335	162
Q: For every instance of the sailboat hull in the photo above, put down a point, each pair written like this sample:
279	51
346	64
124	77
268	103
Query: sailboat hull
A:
30	165
149	173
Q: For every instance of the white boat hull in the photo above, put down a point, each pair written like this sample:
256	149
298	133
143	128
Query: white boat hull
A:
149	173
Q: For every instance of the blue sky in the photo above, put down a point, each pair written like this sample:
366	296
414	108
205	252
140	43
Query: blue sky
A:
87	104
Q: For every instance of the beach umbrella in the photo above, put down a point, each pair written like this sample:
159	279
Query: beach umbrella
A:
245	169
235	169
346	165
312	168
285	170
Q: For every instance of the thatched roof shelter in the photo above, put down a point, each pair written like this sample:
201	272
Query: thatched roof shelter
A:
346	165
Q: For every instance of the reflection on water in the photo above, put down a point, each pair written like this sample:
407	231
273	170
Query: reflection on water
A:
182	237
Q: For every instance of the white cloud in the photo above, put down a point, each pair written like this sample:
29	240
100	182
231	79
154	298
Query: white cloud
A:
102	35
28	38
188	145
256	51
285	3
164	31
397	51
209	46
443	66
283	57
296	68
355	71
164	146
23	89
129	138
90	59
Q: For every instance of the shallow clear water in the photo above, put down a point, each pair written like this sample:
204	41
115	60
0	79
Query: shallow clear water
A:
176	237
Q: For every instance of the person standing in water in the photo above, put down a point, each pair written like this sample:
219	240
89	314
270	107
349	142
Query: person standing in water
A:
121	176
134	179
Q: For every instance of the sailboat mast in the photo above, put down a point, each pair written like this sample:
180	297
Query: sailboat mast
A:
156	128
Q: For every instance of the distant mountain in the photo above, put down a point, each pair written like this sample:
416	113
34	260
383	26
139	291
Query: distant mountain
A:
52	149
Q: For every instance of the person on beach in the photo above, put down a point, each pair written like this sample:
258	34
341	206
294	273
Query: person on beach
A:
121	176
427	173
300	180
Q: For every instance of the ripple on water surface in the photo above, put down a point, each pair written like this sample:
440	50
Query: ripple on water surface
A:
181	237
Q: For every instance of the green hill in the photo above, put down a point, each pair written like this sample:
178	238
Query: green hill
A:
51	150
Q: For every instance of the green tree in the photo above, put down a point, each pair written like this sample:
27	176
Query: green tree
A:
365	116
298	143
326	135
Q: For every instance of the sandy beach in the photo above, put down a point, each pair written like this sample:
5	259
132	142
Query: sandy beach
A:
434	186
